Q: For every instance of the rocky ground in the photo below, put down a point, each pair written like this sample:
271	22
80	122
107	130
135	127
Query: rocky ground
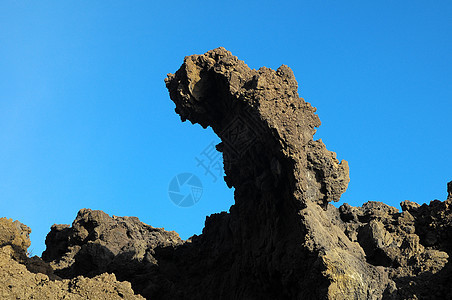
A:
22	277
282	239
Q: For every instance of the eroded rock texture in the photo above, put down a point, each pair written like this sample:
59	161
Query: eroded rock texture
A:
97	243
22	277
282	239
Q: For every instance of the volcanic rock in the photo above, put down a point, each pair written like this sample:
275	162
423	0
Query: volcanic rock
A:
282	233
22	277
282	238
97	243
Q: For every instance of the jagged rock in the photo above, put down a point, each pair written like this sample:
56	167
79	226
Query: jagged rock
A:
97	243
414	245
31	278
282	239
409	206
253	110
16	235
449	190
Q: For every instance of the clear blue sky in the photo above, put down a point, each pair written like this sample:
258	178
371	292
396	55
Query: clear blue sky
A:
86	120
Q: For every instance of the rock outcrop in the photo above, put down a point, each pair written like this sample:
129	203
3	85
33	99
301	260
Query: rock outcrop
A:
97	243
413	246
282	238
22	277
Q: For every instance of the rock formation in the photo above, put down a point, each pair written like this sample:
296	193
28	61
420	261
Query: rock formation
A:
282	239
97	243
22	277
279	236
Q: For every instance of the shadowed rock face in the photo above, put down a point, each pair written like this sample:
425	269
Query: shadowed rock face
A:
97	243
22	277
282	239
265	127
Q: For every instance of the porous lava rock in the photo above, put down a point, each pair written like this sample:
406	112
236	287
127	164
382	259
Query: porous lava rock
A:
97	243
282	238
22	277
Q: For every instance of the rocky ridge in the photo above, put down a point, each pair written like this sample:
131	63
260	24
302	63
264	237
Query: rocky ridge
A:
282	239
22	277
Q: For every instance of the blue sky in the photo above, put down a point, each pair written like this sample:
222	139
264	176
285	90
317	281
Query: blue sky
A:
86	120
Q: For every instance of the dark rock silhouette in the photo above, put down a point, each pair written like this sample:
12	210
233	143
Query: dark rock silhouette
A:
282	239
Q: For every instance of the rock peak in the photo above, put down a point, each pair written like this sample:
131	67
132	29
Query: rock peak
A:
252	110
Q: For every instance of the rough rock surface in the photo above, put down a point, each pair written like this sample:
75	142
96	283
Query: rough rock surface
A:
282	239
413	245
97	243
22	277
